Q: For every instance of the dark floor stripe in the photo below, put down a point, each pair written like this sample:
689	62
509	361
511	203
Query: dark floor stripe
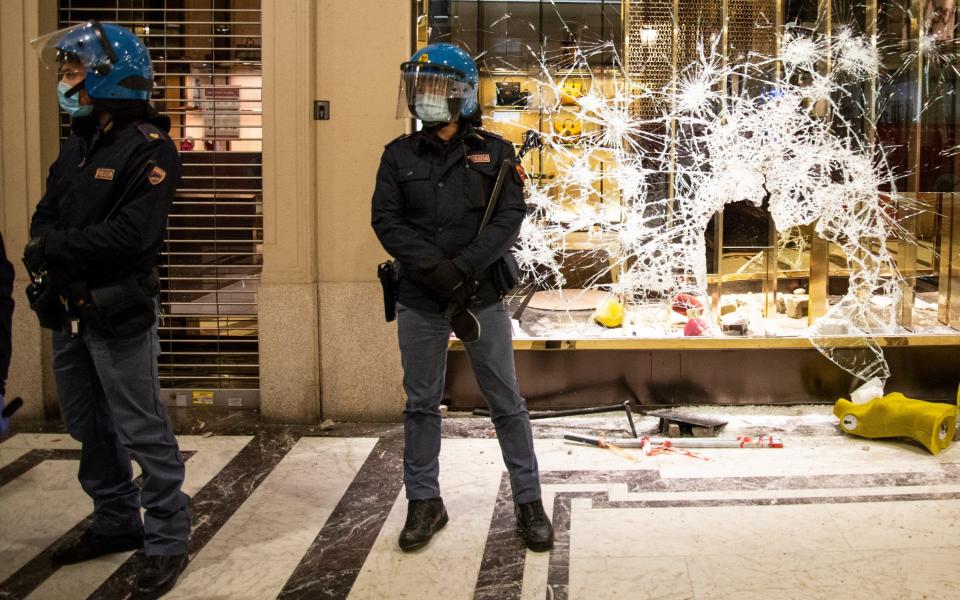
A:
650	480
29	577
31	459
213	505
331	565
504	556
864	498
558	571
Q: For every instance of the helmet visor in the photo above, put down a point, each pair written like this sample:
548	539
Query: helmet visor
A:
86	43
431	93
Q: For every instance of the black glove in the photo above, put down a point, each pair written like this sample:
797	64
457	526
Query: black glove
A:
444	279
461	296
34	254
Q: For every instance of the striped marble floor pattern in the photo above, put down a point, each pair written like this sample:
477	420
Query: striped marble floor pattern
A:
283	515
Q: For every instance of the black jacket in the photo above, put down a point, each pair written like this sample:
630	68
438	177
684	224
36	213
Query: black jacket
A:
6	316
95	166
428	203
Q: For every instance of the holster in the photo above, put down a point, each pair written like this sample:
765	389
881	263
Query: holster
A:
120	309
45	300
389	275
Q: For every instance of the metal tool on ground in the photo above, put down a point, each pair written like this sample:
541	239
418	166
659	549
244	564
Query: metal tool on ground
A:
575	412
649	449
666	448
762	441
686	422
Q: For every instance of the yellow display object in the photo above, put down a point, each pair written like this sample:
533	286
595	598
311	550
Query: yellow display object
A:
567	126
894	415
570	92
609	313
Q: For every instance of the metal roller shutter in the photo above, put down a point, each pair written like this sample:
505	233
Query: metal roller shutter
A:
207	65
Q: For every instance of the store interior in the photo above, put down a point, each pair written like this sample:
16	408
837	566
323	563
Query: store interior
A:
540	62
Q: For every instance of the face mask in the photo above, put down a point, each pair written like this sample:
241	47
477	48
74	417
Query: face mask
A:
431	108
71	104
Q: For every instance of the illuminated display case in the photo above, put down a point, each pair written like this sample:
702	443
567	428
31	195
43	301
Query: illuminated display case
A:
786	280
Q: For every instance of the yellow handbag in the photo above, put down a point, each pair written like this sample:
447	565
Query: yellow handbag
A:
567	126
571	90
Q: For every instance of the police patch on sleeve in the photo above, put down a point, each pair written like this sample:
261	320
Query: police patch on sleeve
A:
521	174
156	176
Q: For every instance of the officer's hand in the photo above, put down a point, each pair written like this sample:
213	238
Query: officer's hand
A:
444	279
34	254
461	295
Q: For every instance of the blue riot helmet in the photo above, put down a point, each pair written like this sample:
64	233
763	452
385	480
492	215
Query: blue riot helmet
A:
438	85
117	63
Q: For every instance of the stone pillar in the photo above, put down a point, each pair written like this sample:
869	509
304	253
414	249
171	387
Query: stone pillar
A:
28	144
321	318
289	314
358	70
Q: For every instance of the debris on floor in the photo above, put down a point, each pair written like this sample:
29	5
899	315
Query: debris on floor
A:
653	446
602	443
686	424
555	414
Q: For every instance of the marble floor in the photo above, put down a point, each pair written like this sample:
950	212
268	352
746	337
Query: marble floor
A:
284	512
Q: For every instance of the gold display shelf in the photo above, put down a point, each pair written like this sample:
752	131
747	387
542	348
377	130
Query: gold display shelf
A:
801	274
729	343
489	108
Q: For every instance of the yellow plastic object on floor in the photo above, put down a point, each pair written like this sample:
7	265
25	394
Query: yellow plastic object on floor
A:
894	415
609	312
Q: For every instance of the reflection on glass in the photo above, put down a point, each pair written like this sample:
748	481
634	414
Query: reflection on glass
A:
455	22
517	35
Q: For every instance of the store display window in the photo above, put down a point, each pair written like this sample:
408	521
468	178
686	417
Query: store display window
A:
833	218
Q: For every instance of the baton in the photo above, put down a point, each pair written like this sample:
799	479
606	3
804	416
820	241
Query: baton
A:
11	408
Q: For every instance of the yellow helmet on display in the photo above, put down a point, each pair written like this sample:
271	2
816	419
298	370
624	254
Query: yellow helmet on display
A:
609	312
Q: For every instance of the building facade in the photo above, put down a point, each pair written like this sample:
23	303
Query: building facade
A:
271	298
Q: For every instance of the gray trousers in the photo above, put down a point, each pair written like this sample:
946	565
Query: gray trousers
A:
423	349
109	394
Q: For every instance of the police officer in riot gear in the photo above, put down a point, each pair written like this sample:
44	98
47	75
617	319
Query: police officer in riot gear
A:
431	193
96	236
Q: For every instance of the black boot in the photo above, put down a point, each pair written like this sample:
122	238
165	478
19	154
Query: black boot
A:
159	576
535	527
91	545
424	518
